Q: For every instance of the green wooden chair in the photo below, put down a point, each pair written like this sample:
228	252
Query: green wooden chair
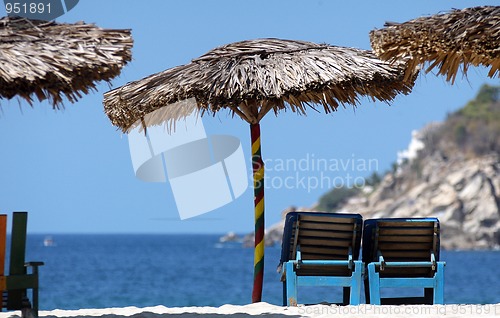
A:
15	285
321	249
403	253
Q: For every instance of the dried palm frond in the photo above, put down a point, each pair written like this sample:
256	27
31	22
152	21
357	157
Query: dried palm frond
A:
50	60
449	40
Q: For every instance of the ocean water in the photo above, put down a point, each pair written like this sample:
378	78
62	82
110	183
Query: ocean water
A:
99	271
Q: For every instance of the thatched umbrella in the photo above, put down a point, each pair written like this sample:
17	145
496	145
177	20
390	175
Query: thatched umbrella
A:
50	60
251	78
460	37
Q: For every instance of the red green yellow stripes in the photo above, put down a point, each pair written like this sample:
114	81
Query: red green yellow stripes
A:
258	183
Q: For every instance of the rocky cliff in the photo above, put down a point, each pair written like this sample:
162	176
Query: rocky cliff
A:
450	171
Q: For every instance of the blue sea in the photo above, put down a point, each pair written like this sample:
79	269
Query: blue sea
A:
101	271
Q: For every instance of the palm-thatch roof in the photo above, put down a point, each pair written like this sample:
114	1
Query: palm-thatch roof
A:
252	77
460	37
50	60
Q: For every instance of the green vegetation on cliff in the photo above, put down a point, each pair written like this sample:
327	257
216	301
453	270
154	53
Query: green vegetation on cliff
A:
473	130
333	199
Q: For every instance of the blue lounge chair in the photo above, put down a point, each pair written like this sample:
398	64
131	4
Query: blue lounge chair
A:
403	253
321	249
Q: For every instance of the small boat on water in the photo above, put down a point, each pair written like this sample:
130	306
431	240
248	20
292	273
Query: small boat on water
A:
229	238
48	241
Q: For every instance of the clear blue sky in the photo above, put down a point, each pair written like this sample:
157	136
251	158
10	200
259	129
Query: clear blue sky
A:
72	171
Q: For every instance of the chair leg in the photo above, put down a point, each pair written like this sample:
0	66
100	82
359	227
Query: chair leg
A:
284	294
28	313
429	296
367	290
291	285
374	290
35	301
357	277
346	296
439	284
27	310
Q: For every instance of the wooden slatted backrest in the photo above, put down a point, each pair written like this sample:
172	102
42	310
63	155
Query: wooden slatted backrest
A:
325	237
321	236
17	256
401	240
18	243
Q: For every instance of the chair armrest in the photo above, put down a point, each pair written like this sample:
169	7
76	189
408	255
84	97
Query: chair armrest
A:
381	261
407	264
349	259
282	271
433	260
298	257
327	262
33	264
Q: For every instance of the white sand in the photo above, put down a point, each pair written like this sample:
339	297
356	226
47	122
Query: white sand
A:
267	310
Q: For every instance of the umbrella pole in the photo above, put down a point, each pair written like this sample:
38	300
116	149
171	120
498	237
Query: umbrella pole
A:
258	184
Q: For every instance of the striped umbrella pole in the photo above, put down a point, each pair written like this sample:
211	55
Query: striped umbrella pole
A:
258	183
